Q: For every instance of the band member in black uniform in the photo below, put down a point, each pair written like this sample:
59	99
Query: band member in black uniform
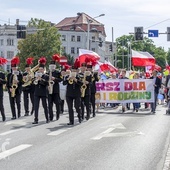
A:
73	94
2	82
41	90
14	86
86	78
95	78
53	88
28	86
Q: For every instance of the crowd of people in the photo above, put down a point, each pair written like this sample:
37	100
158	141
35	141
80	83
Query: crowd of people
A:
75	86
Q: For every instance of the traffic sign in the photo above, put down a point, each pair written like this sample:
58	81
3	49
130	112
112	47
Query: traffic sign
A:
63	59
153	33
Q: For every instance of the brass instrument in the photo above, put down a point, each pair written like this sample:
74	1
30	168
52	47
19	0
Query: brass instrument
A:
51	82
84	86
72	74
38	75
14	83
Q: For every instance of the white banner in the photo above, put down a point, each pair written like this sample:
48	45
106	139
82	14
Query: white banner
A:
125	91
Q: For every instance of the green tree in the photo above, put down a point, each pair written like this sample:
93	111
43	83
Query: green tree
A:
70	59
125	43
44	42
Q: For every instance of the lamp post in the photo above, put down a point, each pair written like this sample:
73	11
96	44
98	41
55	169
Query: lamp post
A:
88	28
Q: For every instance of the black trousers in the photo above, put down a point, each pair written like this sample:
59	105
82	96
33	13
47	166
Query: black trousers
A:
17	100
2	107
62	105
54	98
36	106
26	95
93	102
85	102
77	102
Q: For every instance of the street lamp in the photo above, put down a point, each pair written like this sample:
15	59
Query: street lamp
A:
88	28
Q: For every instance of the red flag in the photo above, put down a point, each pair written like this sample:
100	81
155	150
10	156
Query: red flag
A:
140	58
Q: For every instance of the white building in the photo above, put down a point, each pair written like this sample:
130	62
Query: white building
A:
8	43
77	31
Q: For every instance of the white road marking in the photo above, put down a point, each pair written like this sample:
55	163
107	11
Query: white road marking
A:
16	122
58	132
14	150
116	134
9	132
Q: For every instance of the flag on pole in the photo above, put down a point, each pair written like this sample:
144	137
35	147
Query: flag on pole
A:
140	58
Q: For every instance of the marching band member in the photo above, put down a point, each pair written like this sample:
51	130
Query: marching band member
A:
85	90
14	86
41	90
95	78
73	93
28	86
53	97
2	82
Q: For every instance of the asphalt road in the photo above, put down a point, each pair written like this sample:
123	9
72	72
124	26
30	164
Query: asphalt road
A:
110	141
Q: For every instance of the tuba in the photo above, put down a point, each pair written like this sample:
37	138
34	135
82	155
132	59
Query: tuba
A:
84	86
14	83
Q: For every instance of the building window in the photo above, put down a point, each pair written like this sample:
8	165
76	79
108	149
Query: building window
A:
10	42
10	54
72	50
1	42
63	38
93	39
73	38
78	50
78	38
1	54
93	49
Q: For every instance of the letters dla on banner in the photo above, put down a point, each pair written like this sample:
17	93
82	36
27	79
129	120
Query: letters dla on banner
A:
125	91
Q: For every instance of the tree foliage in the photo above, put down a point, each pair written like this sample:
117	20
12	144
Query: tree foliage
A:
125	43
44	42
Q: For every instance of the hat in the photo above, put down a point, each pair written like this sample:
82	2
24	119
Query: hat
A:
89	66
42	61
29	62
74	67
3	61
84	65
15	61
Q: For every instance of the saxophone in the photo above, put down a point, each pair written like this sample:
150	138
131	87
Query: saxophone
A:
51	82
28	79
84	86
14	83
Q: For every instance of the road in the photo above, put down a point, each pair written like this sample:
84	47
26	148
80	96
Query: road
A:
110	141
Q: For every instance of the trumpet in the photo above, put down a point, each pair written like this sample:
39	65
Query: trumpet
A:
71	76
38	75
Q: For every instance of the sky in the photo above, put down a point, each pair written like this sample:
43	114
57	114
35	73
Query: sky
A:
121	15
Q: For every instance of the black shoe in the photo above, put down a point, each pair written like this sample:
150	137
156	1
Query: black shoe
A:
51	119
32	112
79	120
3	119
57	117
70	123
94	114
19	115
87	117
47	121
13	118
35	122
26	114
123	110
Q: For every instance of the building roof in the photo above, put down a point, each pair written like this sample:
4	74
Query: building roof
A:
80	23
